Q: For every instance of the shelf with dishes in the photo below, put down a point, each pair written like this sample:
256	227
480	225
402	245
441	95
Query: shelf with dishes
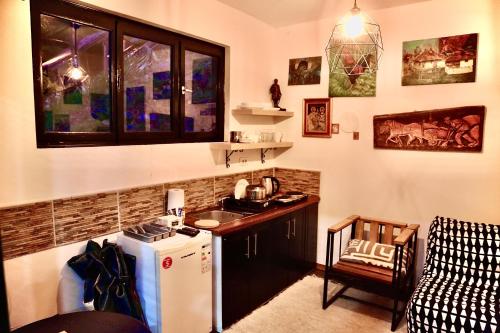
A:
232	147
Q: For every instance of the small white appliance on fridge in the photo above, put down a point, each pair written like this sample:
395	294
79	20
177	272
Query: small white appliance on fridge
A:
174	281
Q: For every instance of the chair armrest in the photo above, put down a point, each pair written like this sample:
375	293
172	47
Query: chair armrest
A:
407	233
344	223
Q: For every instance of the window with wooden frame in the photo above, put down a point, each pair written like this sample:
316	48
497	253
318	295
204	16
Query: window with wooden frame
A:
102	79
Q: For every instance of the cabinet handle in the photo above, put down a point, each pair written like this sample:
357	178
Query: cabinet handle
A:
293	232
255	245
288	229
248	248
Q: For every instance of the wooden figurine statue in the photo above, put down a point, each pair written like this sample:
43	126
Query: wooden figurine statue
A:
276	94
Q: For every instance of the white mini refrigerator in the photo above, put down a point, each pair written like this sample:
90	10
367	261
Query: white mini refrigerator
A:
174	281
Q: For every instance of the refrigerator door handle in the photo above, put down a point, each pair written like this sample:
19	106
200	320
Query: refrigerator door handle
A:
288	229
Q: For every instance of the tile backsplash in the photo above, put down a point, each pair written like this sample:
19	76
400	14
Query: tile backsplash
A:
27	229
139	205
298	180
77	219
40	226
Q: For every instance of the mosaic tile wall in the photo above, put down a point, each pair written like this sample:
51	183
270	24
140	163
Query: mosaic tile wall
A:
298	180
40	226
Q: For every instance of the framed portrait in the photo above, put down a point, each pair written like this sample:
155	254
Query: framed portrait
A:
317	118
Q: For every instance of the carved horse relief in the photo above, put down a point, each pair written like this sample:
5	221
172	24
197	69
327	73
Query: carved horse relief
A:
456	129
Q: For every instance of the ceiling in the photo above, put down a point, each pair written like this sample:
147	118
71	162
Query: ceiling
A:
280	13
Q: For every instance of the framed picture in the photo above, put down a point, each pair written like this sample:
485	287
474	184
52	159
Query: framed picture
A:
455	129
316	119
440	60
356	80
304	71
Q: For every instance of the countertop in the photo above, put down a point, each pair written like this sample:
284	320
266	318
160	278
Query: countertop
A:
248	221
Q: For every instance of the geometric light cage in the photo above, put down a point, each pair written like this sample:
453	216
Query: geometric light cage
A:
355	55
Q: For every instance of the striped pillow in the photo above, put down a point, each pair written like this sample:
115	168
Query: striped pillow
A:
364	252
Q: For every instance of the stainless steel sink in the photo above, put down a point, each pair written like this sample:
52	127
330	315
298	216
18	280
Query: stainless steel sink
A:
220	215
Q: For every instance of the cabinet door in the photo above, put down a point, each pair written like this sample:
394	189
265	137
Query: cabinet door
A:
235	277
280	258
297	246
262	269
311	227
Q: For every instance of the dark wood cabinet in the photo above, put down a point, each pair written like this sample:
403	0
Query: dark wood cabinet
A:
259	262
262	268
297	266
281	232
236	265
311	227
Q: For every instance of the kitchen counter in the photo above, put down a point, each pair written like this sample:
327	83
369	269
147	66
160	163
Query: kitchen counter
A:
248	221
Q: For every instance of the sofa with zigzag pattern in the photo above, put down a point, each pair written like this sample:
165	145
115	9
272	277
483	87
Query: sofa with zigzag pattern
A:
459	288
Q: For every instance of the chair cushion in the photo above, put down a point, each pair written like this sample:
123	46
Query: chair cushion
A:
442	304
371	253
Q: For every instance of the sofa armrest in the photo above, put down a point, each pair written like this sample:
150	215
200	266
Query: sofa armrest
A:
344	223
407	233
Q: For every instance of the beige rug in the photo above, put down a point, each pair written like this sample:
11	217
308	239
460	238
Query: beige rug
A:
298	309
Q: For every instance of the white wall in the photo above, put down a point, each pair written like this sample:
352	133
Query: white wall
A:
409	186
28	174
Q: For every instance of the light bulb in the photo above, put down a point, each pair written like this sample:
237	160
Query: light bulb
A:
75	73
354	26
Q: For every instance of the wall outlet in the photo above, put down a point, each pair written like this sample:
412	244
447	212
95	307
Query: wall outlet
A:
243	161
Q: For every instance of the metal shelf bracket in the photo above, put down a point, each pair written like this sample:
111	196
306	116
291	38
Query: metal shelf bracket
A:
263	154
228	156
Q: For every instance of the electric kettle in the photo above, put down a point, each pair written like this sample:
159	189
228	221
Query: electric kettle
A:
271	184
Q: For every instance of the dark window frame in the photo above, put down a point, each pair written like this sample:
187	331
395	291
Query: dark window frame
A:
118	26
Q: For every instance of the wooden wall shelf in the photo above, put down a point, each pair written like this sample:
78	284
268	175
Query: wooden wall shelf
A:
264	147
263	112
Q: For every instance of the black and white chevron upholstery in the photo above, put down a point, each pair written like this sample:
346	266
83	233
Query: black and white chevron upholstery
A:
459	289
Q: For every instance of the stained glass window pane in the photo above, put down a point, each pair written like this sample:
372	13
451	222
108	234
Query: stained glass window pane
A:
201	92
147	85
75	76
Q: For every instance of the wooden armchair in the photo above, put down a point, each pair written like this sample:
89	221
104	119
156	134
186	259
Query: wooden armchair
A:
395	280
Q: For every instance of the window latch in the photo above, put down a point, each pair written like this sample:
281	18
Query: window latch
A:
184	90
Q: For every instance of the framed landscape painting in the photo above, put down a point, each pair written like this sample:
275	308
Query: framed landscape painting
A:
440	60
317	118
455	129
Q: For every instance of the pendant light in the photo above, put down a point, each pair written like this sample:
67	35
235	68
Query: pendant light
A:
75	72
355	46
